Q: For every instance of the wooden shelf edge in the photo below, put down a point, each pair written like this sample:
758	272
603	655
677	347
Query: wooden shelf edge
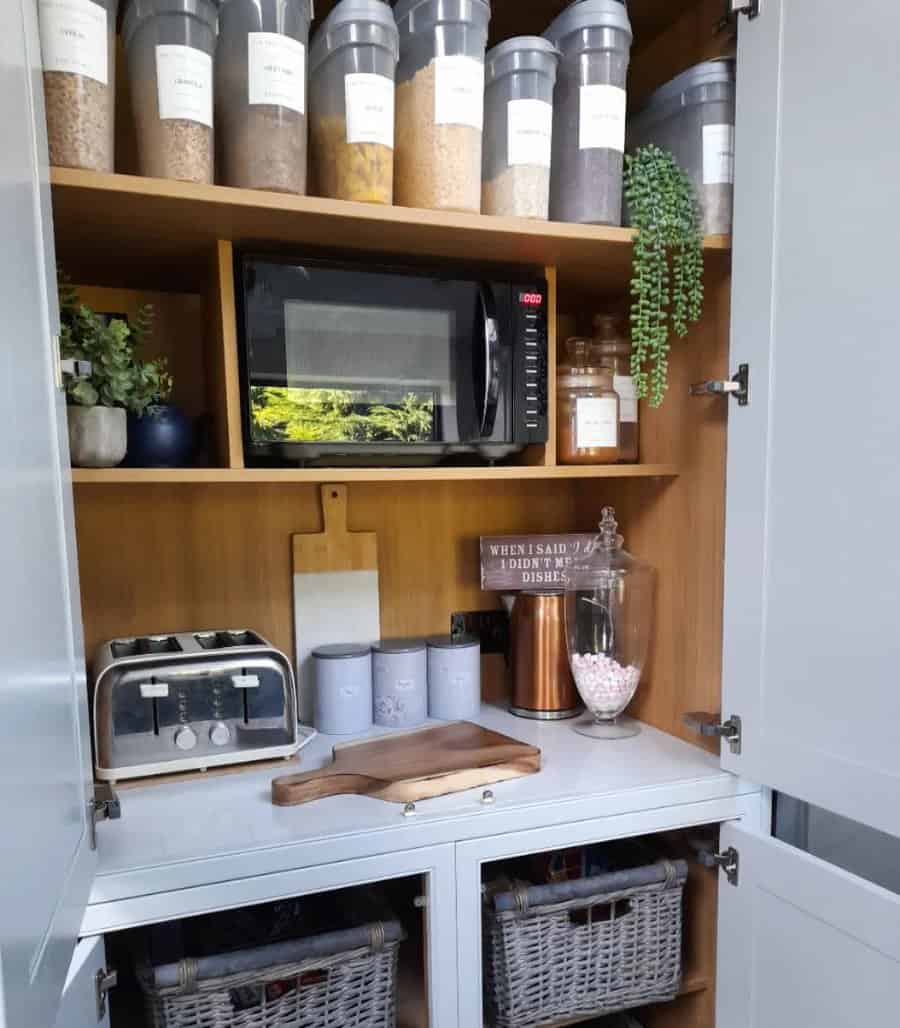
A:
247	476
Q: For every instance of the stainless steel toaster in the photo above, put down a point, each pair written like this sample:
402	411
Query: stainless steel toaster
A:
189	701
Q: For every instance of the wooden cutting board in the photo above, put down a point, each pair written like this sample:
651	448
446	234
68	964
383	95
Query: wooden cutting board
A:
335	589
411	766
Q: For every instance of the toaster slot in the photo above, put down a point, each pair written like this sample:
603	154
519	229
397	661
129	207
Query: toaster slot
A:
158	644
226	639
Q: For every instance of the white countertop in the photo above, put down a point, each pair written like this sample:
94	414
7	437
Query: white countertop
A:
182	834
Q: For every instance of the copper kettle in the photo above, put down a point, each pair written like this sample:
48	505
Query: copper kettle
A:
542	685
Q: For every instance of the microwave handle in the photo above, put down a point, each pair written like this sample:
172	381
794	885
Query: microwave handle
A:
491	362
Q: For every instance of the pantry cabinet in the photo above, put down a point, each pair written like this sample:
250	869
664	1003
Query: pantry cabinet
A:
778	573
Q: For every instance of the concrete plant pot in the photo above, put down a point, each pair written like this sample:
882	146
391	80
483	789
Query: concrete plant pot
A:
98	436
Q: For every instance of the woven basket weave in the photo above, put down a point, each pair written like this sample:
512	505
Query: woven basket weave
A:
354	989
583	957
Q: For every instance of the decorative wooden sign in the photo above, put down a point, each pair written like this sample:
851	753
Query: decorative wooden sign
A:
513	562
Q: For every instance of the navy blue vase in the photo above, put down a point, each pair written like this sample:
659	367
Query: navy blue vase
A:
162	438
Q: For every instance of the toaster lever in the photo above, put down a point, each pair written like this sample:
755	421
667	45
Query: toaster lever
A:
104	806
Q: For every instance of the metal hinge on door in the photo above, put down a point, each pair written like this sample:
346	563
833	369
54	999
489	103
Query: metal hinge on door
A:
102	806
68	367
713	725
737	386
733	8
104	981
727	860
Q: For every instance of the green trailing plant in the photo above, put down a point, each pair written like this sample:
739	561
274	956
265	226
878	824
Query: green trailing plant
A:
117	378
667	265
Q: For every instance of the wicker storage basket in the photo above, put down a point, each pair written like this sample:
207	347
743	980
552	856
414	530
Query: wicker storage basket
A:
584	948
355	988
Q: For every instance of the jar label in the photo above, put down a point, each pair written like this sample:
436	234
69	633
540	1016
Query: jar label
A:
184	83
718	154
529	126
74	38
601	118
596	422
276	71
458	91
369	104
628	402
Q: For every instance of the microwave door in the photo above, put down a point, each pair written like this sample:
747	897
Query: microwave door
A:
491	375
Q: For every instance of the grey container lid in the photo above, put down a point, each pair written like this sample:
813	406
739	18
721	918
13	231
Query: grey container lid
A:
589	14
371	12
399	646
447	642
505	58
404	8
720	71
138	11
341	651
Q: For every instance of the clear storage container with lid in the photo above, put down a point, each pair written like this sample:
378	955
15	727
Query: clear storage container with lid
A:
353	60
594	38
693	118
78	55
440	103
587	409
261	93
518	124
169	46
609	617
611	348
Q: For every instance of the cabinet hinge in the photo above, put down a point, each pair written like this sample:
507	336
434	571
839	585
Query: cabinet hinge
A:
737	386
713	725
103	982
728	861
733	8
102	806
67	367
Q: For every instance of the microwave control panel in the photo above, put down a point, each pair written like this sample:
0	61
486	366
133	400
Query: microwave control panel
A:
531	365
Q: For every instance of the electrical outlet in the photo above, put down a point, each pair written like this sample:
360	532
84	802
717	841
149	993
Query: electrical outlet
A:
490	626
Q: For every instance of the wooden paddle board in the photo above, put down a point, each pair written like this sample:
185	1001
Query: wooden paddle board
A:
335	589
411	766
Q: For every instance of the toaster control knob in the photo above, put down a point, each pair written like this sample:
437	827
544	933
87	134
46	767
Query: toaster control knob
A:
219	734
185	738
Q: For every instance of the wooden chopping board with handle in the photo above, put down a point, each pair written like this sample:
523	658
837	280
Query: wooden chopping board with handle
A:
335	589
416	765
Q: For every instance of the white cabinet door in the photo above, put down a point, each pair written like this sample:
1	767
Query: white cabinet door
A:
79	1007
812	570
801	942
46	864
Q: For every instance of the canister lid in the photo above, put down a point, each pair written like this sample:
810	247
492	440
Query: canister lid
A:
354	12
676	92
521	53
139	11
448	642
589	14
341	651
399	646
453	11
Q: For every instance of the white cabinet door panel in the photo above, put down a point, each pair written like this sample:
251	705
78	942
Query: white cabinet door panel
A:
79	1000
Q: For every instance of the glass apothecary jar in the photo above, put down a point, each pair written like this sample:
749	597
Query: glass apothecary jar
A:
609	617
587	410
611	348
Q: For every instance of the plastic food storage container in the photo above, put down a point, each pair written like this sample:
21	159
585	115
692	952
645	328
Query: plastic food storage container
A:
78	54
518	115
353	60
343	674
169	47
400	682
261	93
609	615
594	37
440	103
454	678
611	348
693	117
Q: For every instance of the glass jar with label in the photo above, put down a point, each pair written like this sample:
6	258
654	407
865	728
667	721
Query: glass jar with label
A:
587	410
611	348
352	63
261	93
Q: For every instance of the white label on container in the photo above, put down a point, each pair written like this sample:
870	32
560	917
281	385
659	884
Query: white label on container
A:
276	71
458	91
596	423
184	83
74	38
529	127
718	154
628	403
369	103
601	118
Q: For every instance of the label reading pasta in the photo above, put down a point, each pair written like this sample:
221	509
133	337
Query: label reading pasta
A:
369	103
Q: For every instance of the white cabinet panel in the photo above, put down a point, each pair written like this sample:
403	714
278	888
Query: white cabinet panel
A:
79	1000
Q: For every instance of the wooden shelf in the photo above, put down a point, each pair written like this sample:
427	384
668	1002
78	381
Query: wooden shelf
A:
161	232
172	476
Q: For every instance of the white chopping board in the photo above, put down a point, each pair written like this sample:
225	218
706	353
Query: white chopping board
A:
335	589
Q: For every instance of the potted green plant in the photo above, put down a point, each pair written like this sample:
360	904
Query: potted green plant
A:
116	383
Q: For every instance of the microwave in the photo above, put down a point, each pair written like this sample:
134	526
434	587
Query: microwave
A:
358	362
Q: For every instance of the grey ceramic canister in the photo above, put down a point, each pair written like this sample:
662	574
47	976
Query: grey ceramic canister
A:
454	678
400	682
343	674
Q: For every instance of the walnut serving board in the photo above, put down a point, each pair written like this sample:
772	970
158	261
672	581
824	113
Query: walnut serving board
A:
412	766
